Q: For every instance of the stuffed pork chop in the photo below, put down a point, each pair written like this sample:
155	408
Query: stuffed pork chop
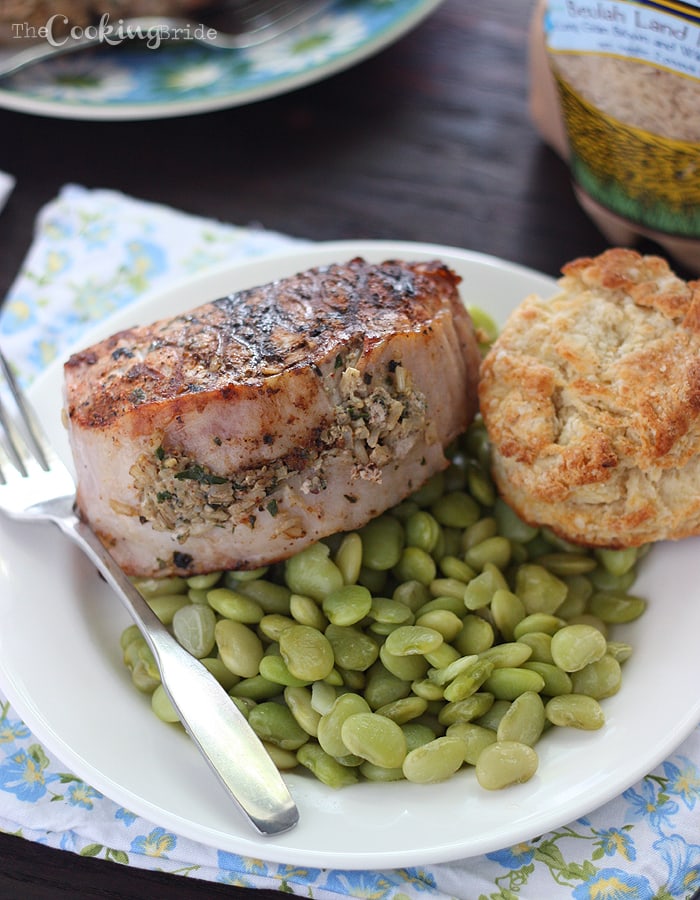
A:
234	435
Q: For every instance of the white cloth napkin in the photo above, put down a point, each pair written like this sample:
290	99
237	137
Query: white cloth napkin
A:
96	251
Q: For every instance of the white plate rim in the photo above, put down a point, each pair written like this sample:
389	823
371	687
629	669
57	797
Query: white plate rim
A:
19	102
652	742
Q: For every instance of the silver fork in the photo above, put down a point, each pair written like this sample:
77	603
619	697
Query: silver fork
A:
247	23
35	486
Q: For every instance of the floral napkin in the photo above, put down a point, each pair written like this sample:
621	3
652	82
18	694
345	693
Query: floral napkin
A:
96	251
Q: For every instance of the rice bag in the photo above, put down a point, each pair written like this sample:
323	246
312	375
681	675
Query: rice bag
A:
615	90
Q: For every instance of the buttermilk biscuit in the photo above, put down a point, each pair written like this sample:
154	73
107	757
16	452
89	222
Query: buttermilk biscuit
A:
591	400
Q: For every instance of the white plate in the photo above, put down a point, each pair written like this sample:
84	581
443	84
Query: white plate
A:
127	83
60	666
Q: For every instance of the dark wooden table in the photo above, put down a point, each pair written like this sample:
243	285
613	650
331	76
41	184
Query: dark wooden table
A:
430	140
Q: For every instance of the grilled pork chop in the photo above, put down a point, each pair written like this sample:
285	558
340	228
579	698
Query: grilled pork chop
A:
234	435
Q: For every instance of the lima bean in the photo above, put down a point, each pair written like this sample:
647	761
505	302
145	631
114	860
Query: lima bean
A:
166	605
443	621
412	640
435	761
375	738
474	737
273	722
308	653
298	699
256	688
284	759
352	648
575	646
162	705
454	567
478	532
422	530
556	680
508	682
480	485
616	608
383	687
507	609
476	635
274	668
403	710
480	590
204	582
427	689
390	612
348	557
457	509
510	525
575	711
504	763
617	562
232	605
415	565
599	679
566	564
494	550
511	654
408	668
313	573
329	729
540	644
240	648
306	611
153	587
324	767
193	627
274	598
524	720
347	604
216	667
476	706
372	772
539	590
382	543
468	681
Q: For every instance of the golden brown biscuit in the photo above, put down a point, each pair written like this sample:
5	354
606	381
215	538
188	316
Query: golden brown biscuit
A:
592	403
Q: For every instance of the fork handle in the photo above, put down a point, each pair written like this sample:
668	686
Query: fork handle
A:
214	723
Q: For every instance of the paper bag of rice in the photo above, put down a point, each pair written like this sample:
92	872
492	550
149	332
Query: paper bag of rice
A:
615	90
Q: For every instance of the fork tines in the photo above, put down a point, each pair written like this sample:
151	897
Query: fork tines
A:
18	445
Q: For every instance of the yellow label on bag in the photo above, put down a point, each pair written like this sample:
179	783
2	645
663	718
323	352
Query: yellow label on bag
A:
688	8
629	82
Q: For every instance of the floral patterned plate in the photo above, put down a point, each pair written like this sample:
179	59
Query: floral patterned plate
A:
128	82
61	667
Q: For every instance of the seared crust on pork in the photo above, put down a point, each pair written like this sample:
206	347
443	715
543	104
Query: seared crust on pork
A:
236	434
592	401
